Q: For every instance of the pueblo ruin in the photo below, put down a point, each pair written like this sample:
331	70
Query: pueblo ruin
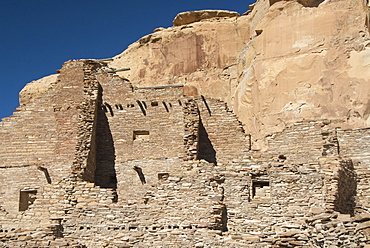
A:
224	130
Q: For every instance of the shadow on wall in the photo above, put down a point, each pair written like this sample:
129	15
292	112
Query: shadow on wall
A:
347	188
224	220
105	174
205	147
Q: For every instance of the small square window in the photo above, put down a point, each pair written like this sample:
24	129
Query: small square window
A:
261	189
163	176
141	135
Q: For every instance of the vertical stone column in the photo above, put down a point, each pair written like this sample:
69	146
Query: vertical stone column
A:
191	123
84	164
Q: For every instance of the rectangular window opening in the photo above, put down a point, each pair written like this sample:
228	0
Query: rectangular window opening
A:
141	135
154	103
163	175
26	198
260	189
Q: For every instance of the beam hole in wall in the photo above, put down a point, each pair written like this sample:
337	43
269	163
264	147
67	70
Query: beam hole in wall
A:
109	107
26	198
46	173
141	135
140	173
260	189
119	106
282	158
165	106
163	176
104	108
258	31
142	107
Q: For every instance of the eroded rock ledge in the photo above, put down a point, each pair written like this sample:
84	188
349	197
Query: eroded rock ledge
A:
188	17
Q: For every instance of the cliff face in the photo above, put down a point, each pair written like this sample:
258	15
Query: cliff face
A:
305	63
203	55
282	62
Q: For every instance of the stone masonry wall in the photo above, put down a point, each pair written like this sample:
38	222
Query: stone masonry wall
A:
41	133
84	165
221	134
354	144
143	123
174	171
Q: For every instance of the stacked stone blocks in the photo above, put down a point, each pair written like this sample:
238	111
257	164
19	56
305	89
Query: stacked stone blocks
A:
151	167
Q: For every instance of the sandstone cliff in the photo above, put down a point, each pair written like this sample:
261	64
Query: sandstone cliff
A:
281	62
305	63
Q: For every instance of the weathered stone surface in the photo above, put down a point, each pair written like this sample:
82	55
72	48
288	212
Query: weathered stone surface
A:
304	63
189	17
36	88
363	225
202	55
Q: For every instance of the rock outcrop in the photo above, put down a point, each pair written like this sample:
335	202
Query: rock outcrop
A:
201	55
189	17
36	88
305	63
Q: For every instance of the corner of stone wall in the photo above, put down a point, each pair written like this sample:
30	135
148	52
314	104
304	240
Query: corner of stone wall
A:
341	183
191	127
84	164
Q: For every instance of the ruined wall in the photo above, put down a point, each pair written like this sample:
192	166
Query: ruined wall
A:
355	145
146	123
113	161
42	133
221	136
84	164
192	178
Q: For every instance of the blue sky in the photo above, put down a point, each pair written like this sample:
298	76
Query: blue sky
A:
38	36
